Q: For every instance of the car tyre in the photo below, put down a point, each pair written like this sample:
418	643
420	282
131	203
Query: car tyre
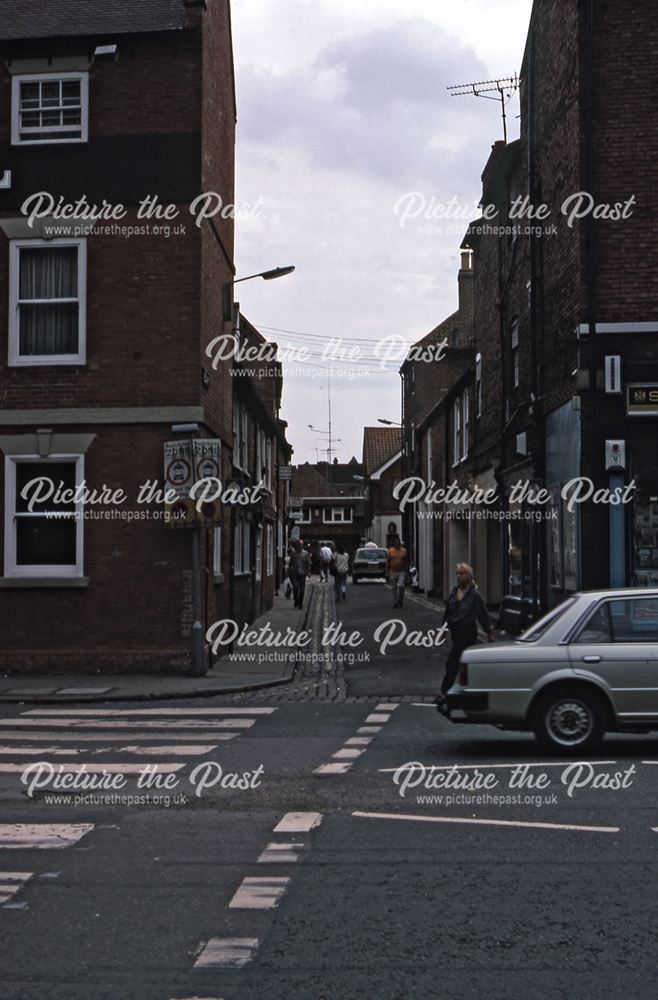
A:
569	719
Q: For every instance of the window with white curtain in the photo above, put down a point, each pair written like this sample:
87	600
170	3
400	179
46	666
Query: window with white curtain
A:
49	107
259	551
269	549
47	298
466	421
456	431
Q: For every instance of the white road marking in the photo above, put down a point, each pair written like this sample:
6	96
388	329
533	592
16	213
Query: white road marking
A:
487	822
374	717
369	729
346	753
358	741
298	822
164	751
423	704
10	883
280	853
79	690
387	706
475	766
95	712
104	724
91	768
80	737
21	836
227	953
259	893
335	768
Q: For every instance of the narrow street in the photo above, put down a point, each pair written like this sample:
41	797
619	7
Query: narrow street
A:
325	877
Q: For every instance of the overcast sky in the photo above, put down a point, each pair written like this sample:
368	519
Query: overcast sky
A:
343	122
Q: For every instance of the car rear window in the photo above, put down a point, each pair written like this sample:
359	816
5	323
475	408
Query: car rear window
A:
537	630
371	555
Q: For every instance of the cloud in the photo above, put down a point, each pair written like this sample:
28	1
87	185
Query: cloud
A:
375	103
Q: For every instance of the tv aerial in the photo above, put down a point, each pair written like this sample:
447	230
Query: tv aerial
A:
504	88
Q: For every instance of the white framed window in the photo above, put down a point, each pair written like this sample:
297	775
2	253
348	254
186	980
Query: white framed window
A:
47	302
457	431
259	552
269	549
478	385
337	515
305	512
217	550
43	517
466	422
515	352
269	446
49	107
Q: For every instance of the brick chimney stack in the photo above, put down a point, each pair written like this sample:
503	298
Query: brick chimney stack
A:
466	299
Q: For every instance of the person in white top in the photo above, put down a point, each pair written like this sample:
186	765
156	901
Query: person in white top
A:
326	555
342	564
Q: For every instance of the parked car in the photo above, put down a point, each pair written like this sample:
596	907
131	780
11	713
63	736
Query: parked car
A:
588	667
369	564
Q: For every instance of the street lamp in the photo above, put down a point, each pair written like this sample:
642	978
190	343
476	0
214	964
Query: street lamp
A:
274	272
389	423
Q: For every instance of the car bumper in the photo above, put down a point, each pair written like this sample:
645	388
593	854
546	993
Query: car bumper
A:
467	701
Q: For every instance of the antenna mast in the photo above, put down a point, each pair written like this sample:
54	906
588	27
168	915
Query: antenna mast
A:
504	88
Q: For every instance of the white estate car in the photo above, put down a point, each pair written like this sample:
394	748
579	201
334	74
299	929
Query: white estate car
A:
588	667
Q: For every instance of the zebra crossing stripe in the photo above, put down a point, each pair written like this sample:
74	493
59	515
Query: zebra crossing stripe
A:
373	717
71	723
227	953
369	729
337	767
92	768
346	753
81	737
21	836
387	707
298	822
164	751
358	741
10	883
95	712
259	893
280	854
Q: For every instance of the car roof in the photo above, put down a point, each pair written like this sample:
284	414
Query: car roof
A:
625	592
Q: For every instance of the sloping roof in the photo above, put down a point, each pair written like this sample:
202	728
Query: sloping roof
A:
308	482
39	19
379	445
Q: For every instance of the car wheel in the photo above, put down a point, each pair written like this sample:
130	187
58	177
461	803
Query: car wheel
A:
569	718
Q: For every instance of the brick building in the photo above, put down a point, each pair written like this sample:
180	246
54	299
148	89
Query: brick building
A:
382	467
261	447
563	384
104	345
329	511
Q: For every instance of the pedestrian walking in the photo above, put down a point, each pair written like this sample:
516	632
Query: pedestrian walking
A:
342	566
464	609
396	570
300	567
326	556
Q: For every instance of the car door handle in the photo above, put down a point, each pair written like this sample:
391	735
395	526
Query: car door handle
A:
591	659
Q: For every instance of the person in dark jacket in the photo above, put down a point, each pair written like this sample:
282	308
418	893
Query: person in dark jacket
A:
464	609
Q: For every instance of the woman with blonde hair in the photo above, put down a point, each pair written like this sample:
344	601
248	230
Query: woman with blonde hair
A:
464	609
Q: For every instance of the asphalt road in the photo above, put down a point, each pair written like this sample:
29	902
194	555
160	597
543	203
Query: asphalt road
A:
370	889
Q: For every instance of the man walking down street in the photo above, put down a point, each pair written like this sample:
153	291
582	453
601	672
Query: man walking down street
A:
396	570
342	563
300	568
326	556
464	609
